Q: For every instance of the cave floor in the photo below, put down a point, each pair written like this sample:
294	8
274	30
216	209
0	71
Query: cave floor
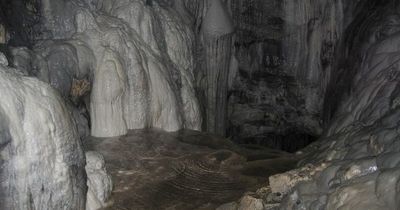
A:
153	169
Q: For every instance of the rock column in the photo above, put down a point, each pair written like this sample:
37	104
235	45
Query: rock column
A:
106	100
217	31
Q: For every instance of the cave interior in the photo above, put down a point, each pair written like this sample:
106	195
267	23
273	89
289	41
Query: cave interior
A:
199	104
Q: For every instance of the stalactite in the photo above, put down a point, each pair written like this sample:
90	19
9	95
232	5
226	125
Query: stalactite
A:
218	55
217	32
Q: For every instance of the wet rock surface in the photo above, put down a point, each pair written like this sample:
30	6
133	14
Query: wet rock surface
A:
98	181
136	59
354	165
41	159
300	70
153	169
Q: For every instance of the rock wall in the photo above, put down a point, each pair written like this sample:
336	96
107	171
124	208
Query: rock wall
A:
41	159
363	27
285	52
355	165
135	64
137	57
14	15
361	147
99	182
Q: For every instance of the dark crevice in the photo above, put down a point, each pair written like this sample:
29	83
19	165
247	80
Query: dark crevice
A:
290	142
20	17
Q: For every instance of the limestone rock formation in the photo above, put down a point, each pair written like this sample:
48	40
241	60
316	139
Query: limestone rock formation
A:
285	52
139	68
249	202
276	73
283	183
217	29
42	161
109	85
363	137
3	60
355	163
148	51
99	181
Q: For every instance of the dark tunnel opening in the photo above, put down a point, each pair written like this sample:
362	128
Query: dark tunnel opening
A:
291	142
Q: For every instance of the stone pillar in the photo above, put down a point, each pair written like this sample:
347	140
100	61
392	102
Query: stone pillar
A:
106	108
217	31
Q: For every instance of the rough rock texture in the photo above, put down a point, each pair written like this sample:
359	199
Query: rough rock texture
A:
302	69
18	20
285	57
250	203
98	181
363	139
3	60
41	159
283	183
355	165
228	206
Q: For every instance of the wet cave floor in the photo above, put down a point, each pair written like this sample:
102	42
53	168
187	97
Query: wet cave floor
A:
154	169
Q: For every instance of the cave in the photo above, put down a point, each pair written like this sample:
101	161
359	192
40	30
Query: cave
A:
199	104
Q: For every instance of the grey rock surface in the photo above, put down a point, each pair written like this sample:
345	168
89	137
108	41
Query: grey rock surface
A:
217	32
355	164
140	69
362	137
3	60
41	158
99	182
294	71
285	53
250	203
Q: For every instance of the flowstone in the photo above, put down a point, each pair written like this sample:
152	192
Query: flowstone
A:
41	158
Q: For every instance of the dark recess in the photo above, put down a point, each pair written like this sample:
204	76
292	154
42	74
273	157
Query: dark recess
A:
20	17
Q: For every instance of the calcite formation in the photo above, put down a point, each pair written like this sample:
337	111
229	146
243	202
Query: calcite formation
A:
217	29
286	57
138	59
279	73
99	182
355	163
41	158
109	85
363	137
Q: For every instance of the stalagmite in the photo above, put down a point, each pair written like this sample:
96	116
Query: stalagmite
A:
106	100
99	181
217	30
99	100
41	159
